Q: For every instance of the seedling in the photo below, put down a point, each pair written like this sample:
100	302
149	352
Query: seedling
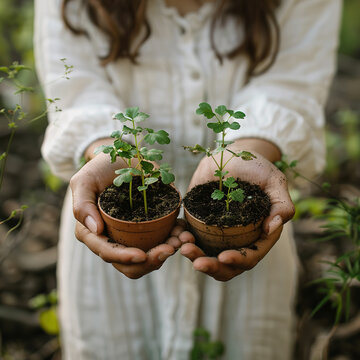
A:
136	158
223	120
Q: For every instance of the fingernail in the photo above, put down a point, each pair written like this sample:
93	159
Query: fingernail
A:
163	256
274	224
91	224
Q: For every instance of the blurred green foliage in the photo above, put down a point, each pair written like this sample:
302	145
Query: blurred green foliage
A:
350	28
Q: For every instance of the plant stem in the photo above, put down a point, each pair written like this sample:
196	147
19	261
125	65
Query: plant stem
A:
3	165
141	169
222	160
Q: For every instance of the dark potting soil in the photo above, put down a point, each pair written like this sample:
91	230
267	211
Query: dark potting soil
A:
255	206
161	200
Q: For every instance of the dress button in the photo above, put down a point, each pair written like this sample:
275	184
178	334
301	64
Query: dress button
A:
195	75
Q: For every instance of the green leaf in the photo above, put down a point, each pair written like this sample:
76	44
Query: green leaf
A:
219	173
116	134
246	155
106	149
38	302
161	137
205	109
231	183
147	166
239	115
4	69
150	180
1	79
216	127
234	125
218	150
166	176
122	145
221	110
141	117
121	117
49	321
151	154
142	188
237	195
125	175
196	149
132	112
217	194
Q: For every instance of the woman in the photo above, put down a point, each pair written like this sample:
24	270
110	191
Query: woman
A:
272	61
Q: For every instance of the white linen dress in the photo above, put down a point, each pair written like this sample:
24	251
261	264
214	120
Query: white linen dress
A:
105	315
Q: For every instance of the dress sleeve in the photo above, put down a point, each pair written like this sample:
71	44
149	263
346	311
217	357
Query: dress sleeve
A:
285	105
87	98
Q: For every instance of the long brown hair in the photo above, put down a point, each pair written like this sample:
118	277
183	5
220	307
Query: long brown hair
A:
122	21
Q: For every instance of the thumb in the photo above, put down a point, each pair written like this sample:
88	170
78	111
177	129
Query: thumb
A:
85	206
282	210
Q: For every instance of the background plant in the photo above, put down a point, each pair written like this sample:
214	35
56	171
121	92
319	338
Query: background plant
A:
223	121
128	152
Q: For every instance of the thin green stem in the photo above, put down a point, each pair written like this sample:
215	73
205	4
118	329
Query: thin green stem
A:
3	163
222	160
141	169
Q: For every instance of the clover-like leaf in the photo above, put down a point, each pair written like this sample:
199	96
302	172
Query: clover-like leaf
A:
116	134
141	117
121	117
217	194
221	110
150	180
125	176
239	115
119	144
166	176
234	125
196	149
161	137
147	166
106	149
237	195
216	127
151	154
231	183
206	110
132	112
221	174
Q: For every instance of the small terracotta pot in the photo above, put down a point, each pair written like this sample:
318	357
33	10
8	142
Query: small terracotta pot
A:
143	235
214	239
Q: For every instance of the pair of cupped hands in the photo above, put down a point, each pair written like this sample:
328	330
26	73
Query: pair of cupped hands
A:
98	173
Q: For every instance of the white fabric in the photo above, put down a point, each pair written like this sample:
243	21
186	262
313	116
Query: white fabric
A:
103	314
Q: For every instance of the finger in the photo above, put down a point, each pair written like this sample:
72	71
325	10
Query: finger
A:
177	230
155	259
282	208
109	252
174	242
191	251
186	237
248	258
216	269
160	253
85	204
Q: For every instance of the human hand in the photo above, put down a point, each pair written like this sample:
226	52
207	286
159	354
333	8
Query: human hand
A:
86	184
133	262
258	171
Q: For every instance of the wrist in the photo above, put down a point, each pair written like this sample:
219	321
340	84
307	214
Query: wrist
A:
89	152
266	148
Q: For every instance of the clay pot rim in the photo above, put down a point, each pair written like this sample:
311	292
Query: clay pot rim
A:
141	222
248	227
